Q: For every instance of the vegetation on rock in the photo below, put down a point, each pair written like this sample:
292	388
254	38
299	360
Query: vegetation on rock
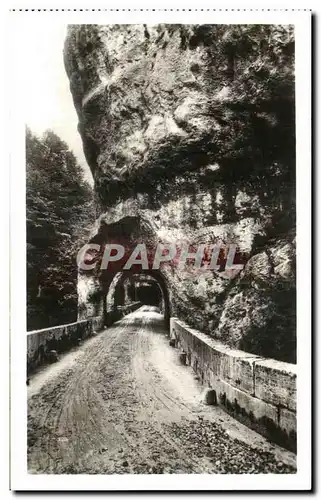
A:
59	206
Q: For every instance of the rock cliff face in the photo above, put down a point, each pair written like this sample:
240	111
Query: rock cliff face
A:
189	133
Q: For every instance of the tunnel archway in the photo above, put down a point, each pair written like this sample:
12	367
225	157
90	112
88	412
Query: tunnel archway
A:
103	289
146	290
117	294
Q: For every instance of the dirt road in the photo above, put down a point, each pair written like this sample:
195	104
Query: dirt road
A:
122	403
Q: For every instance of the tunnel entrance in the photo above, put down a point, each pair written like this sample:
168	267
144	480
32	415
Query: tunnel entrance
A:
113	287
146	290
146	287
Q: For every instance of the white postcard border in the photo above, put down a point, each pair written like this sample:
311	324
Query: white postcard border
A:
18	26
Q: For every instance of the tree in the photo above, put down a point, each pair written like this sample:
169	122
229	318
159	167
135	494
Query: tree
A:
59	206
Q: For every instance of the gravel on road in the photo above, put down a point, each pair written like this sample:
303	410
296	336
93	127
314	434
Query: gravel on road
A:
122	403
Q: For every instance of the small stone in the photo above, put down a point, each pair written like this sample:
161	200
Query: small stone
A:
182	358
125	463
53	356
209	397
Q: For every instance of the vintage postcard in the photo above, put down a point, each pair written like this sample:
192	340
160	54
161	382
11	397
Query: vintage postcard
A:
160	217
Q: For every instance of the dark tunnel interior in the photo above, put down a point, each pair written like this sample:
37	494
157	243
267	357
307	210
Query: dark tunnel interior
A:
145	288
148	293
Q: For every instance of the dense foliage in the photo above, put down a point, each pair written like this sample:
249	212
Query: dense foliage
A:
59	211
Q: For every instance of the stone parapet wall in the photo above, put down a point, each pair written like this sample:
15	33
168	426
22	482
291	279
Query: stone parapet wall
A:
41	343
259	392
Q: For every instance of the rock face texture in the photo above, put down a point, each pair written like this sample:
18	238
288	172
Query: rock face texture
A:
189	132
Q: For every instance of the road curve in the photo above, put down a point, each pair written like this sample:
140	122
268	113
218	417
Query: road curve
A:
122	403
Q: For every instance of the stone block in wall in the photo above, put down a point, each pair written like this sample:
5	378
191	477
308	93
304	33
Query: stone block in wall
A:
206	355
275	382
175	328
172	323
276	424
287	421
259	392
192	339
234	366
97	324
244	405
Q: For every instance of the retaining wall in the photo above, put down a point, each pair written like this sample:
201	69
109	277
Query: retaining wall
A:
40	343
259	392
61	338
